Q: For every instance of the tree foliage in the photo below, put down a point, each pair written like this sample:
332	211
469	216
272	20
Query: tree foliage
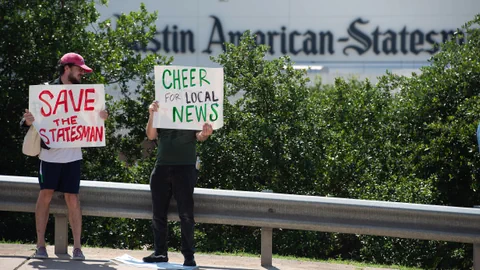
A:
266	140
35	34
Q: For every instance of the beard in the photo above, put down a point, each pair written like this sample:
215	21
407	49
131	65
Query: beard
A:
74	80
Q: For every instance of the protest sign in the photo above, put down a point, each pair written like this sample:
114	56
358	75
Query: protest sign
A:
188	97
68	115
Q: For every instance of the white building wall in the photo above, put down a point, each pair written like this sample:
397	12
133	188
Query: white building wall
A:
363	38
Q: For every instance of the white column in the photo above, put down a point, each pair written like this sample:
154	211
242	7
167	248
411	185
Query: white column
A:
476	256
266	249
61	234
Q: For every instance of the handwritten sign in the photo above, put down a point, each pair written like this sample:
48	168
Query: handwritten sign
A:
188	97
68	115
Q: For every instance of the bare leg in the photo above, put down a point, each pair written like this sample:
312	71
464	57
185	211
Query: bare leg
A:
74	217
42	210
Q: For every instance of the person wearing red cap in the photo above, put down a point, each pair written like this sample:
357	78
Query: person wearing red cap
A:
72	60
60	167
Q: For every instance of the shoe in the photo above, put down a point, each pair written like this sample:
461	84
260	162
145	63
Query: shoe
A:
78	255
153	258
41	253
189	261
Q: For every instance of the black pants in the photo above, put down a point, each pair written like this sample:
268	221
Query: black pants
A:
180	181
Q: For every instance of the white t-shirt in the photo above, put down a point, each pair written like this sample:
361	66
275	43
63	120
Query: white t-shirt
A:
61	155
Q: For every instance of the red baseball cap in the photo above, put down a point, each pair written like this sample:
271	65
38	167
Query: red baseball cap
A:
76	59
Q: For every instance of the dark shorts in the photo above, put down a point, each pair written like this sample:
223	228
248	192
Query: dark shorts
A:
63	177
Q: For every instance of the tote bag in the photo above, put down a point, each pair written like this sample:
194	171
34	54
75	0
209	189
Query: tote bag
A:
31	142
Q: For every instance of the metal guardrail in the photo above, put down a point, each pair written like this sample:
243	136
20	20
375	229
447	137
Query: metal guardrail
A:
258	209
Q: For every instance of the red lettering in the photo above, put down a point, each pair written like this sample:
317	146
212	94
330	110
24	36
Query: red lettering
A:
61	100
101	134
65	121
60	134
74	119
85	97
42	111
45	138
79	131
80	98
73	134
53	134
86	132
98	134
91	138
87	100
67	133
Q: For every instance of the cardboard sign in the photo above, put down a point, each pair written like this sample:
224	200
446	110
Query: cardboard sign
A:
68	115
188	97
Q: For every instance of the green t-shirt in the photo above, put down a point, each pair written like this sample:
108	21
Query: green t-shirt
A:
176	147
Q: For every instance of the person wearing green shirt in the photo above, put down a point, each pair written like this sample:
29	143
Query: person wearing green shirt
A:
174	174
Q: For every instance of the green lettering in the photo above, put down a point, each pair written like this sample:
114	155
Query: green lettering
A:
201	112
163	78
177	114
192	71
188	113
176	80
184	78
203	74
214	111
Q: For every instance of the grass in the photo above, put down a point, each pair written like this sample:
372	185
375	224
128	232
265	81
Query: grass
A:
360	265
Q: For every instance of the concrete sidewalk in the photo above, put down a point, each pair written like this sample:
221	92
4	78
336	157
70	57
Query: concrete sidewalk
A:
18	257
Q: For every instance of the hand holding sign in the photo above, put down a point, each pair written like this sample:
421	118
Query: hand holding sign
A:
153	107
104	114
207	130
28	116
188	97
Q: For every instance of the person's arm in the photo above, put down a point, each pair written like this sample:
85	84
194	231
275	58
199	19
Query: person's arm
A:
203	135
150	130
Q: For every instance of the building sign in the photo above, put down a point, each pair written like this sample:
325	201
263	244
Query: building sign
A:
363	34
283	41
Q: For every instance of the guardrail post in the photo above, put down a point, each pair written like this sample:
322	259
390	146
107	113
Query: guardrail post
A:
266	245
266	259
476	251
61	233
476	256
